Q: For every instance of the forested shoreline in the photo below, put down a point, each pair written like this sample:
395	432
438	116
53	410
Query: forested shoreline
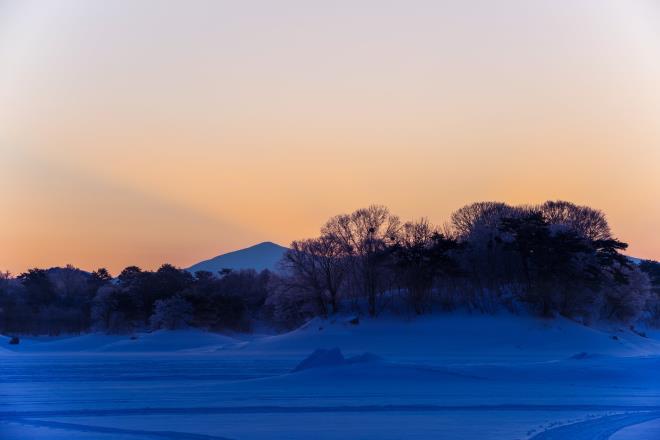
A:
552	259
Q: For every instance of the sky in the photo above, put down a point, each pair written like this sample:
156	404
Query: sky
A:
143	132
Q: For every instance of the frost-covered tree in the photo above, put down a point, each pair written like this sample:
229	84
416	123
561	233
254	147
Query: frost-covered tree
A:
626	302
288	306
652	308
171	313
70	283
652	269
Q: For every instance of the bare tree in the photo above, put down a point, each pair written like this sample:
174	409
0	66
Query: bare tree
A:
420	256
288	306
317	265
585	221
363	237
478	215
412	263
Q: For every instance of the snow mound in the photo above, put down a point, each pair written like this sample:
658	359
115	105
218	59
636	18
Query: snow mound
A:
161	341
458	336
63	344
332	358
169	340
321	358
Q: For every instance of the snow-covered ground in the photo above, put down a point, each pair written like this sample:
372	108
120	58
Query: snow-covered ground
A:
449	376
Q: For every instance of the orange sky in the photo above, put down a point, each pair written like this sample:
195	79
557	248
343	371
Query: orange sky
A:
142	132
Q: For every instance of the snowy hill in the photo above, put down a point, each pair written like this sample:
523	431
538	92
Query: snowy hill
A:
459	336
262	256
448	336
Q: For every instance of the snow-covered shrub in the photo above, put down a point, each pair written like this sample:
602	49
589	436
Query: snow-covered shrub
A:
172	313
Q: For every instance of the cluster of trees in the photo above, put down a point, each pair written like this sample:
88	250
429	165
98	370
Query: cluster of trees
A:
554	258
69	300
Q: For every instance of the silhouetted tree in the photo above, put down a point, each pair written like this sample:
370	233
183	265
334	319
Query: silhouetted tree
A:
39	290
168	280
115	310
563	269
98	278
478	216
317	266
364	237
287	306
420	255
585	221
652	270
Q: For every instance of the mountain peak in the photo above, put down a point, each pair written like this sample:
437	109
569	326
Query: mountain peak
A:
265	255
264	244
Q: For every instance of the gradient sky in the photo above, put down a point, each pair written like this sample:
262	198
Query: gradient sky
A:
142	132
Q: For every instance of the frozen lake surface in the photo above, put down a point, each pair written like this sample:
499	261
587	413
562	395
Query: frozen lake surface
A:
524	379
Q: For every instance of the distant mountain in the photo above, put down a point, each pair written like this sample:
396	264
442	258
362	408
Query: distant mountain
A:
258	257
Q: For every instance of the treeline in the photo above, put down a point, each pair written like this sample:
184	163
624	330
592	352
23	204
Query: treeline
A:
68	300
551	259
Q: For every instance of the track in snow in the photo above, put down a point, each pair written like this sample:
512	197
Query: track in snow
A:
171	435
597	429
